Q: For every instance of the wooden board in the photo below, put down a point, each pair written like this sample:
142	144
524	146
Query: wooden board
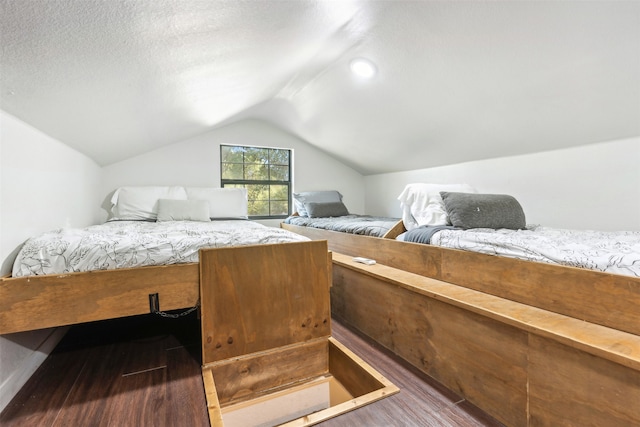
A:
256	298
266	326
395	231
607	299
36	302
481	359
521	364
612	344
571	387
249	376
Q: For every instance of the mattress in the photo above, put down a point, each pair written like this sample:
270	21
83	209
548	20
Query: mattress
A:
615	252
127	244
355	224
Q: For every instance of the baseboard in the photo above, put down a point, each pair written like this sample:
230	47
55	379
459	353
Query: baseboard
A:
13	384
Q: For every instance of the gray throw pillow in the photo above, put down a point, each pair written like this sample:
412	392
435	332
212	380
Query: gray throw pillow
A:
183	210
470	210
325	209
300	199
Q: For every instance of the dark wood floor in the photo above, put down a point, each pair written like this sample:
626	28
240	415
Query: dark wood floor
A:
145	371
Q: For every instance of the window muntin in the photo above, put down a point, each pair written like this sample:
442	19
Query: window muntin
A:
264	172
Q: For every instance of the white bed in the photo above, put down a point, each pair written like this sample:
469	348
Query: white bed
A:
144	259
455	216
616	252
127	244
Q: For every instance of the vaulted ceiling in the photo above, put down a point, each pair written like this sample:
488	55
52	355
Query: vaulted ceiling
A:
456	81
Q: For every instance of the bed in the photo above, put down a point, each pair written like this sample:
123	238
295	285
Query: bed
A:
616	252
608	294
145	258
529	341
325	210
130	244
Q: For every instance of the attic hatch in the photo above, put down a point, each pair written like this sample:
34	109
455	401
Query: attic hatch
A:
267	351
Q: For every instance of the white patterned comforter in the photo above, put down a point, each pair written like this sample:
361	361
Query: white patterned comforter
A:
125	244
612	252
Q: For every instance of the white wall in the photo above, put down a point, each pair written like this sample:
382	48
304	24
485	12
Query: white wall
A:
44	184
588	187
196	162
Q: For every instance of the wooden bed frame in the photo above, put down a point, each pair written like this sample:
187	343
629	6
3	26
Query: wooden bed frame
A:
530	343
395	231
265	324
36	302
607	299
392	233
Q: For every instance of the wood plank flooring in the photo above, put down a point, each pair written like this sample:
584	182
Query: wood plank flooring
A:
145	371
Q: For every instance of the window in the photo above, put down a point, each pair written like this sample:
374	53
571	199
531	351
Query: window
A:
264	172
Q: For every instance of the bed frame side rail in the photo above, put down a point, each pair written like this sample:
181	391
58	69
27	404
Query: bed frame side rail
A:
37	302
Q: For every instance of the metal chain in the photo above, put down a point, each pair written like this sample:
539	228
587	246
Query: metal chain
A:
177	315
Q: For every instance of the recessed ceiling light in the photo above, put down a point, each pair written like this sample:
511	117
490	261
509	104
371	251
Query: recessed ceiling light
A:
362	67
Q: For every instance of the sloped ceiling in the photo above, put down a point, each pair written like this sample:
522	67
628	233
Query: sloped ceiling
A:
457	80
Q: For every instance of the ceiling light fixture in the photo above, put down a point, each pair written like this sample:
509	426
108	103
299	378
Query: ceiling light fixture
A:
364	68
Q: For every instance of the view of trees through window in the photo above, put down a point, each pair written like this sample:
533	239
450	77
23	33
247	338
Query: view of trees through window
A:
264	172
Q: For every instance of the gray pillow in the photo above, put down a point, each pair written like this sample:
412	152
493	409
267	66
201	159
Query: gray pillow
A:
314	196
183	210
325	209
470	210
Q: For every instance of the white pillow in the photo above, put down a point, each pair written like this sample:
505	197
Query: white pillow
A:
422	204
183	210
223	202
141	203
299	199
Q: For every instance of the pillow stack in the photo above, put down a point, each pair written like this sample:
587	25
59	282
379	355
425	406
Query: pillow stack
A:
319	204
178	203
422	204
459	205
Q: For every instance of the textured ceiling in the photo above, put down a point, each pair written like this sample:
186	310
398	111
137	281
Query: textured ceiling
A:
457	81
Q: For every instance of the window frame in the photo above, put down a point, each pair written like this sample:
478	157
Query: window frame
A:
288	184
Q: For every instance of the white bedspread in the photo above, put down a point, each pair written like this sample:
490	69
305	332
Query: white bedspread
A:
125	244
612	252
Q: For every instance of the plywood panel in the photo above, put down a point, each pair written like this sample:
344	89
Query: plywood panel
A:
255	298
248	376
606	299
482	359
55	300
571	388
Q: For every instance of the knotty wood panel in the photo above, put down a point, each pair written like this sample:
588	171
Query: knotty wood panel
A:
246	377
255	298
606	299
482	359
37	302
570	387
